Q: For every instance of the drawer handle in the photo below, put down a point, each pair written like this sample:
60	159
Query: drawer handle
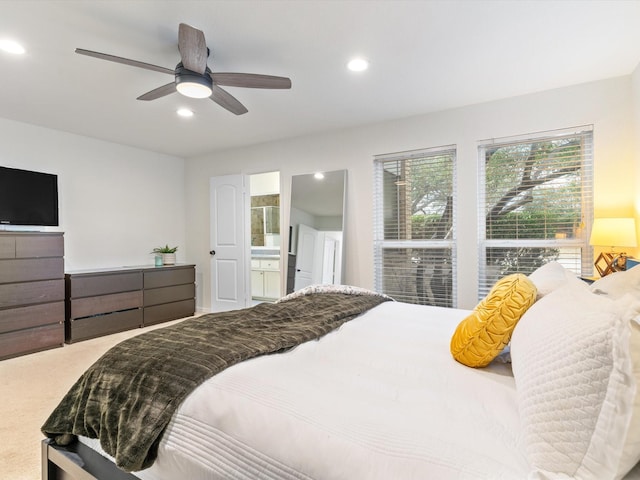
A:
212	252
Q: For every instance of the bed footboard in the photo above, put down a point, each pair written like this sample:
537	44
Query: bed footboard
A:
78	462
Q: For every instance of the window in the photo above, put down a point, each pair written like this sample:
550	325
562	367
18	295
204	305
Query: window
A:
535	202
414	227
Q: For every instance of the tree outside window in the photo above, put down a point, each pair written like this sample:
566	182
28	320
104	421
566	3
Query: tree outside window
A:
534	206
535	201
415	230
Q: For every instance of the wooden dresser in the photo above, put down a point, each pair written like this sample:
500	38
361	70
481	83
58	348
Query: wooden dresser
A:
31	292
105	301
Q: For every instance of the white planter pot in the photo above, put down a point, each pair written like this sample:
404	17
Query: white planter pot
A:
168	258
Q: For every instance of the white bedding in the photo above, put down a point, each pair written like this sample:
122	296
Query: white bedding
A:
381	398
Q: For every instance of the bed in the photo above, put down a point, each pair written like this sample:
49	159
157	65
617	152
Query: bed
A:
380	396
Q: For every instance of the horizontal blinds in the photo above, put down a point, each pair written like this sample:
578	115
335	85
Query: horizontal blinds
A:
535	204
414	225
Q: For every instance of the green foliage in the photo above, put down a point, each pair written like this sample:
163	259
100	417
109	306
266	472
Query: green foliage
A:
533	192
165	249
530	224
424	227
520	260
431	184
516	175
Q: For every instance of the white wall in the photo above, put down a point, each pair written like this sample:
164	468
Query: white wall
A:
605	104
116	203
635	82
264	184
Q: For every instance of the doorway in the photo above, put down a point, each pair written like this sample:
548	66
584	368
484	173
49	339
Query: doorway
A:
266	241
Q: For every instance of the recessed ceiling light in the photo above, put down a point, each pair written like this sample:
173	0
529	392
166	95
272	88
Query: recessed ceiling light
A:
11	46
184	112
318	176
358	65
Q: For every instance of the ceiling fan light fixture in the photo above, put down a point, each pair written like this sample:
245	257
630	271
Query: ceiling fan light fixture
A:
194	90
192	84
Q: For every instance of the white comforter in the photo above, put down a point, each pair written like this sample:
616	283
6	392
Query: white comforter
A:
381	398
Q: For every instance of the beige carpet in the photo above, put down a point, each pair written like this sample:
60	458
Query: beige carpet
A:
30	388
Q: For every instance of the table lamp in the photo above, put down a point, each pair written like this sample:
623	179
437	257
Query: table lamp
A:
612	232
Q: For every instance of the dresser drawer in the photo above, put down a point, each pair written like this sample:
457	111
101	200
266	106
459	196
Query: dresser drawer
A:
79	286
90	327
31	340
86	307
165	278
31	316
270	264
169	311
162	295
31	269
30	246
18	294
7	247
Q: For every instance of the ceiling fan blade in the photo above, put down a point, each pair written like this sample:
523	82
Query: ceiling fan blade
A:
193	48
228	101
250	80
159	92
125	61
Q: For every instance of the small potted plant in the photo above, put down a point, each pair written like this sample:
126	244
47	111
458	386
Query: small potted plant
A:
168	254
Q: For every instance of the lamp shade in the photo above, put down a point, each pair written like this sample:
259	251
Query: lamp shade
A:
614	232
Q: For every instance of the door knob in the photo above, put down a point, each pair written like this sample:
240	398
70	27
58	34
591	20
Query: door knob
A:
212	252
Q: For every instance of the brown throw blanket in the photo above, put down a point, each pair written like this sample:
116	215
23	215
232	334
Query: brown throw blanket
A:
128	396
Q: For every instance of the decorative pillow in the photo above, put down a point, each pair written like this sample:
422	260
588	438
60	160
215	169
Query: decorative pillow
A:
618	283
481	336
550	276
576	384
631	450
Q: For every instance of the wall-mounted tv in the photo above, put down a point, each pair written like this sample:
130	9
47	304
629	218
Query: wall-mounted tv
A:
28	198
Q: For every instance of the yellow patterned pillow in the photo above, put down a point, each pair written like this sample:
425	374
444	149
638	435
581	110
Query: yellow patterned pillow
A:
481	336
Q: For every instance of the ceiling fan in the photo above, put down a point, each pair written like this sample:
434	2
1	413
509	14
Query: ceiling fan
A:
193	78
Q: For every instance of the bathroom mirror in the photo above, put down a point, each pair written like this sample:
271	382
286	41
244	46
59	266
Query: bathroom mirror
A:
316	229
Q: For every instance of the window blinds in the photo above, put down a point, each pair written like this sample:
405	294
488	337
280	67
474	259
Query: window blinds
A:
414	226
535	203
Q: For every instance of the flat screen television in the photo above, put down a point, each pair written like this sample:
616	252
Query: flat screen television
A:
28	198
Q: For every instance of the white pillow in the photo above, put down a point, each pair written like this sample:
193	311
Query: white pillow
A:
551	276
576	384
618	283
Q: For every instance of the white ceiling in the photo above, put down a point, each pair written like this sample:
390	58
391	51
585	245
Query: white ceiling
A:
425	56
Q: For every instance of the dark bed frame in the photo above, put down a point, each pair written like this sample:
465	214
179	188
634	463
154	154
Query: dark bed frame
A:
78	462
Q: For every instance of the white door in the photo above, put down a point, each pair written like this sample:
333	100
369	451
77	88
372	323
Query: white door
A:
229	246
329	261
305	256
332	263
